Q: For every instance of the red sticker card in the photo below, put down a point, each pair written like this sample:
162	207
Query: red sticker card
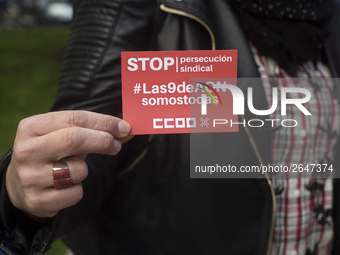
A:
166	92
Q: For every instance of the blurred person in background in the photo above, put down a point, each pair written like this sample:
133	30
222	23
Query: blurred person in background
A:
142	201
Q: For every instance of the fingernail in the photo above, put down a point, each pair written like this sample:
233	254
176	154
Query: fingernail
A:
124	127
117	146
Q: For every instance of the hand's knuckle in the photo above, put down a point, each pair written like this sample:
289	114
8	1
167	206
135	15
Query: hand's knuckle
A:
107	141
78	194
84	172
77	118
108	123
26	178
25	123
34	203
23	151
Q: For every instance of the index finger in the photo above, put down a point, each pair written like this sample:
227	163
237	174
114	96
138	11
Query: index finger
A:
43	124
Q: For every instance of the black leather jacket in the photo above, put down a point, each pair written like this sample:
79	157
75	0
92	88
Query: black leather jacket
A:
143	200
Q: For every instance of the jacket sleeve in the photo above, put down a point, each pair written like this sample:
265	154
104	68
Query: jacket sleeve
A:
90	80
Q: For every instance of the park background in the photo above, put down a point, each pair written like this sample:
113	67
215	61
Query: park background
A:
31	51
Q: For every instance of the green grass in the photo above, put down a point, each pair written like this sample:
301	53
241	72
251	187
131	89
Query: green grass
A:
29	71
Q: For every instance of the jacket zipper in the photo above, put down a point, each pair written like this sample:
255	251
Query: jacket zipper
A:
259	158
182	13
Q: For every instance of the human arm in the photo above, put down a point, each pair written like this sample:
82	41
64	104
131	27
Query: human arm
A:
90	81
